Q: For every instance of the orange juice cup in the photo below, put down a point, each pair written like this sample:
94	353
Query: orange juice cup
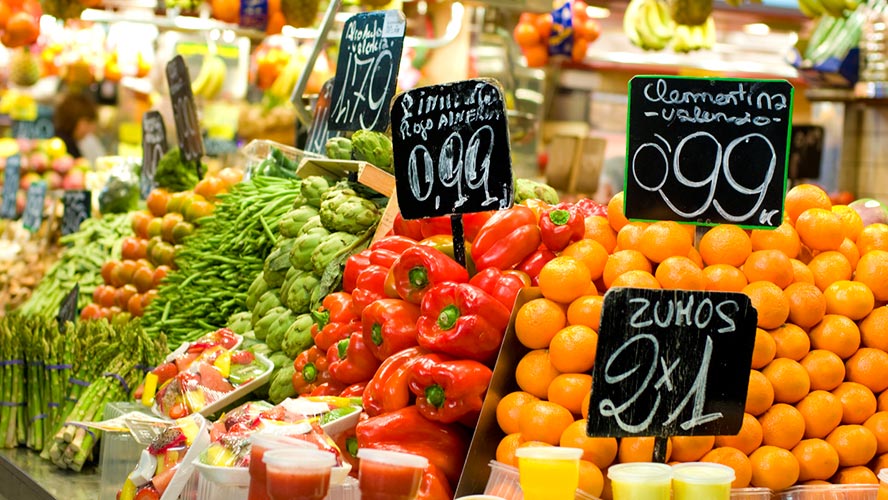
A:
640	481
260	443
883	485
549	472
693	480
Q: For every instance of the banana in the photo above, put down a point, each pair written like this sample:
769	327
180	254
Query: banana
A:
697	38
217	77
649	27
835	8
659	20
811	8
629	21
681	41
203	77
709	35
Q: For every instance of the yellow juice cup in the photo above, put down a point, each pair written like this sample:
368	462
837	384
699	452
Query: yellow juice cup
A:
549	472
883	485
640	481
695	480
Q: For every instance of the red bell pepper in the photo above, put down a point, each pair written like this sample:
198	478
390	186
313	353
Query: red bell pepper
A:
369	288
387	250
347	442
506	239
448	390
444	244
389	326
387	391
434	226
354	390
351	361
560	227
354	264
462	320
331	388
407	431
590	208
472	223
421	267
503	286
335	308
311	370
534	263
409	228
434	485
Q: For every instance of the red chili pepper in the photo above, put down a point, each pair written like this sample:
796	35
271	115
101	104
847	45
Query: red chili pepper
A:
421	267
462	320
409	228
354	390
448	390
351	361
311	370
370	287
561	226
353	267
534	263
506	239
387	391
389	326
503	286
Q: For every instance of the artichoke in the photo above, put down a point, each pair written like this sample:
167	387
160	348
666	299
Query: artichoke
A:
278	329
240	323
374	148
311	224
267	302
299	295
324	253
278	263
279	359
298	336
300	255
344	210
312	189
293	221
255	291
263	327
292	273
281	386
339	148
527	189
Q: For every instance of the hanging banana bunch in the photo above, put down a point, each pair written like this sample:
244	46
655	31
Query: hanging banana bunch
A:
211	77
650	25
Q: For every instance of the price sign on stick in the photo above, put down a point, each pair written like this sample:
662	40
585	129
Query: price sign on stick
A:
367	70
671	363
452	156
185	112
154	146
33	214
41	127
707	150
319	131
78	208
805	151
11	177
68	309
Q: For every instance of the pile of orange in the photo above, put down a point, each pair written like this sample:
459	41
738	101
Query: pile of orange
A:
817	402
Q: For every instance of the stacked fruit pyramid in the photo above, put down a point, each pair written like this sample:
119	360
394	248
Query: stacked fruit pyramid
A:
817	405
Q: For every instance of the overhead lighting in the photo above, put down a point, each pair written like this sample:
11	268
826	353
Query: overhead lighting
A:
597	12
757	29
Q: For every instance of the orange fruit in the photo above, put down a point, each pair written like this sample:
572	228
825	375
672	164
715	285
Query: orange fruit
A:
591	478
769	301
849	298
636	279
734	459
784	238
505	450
764	349
769	265
543	421
788	378
825	369
822	412
807	305
852	224
791	341
800	272
873	237
773	468
882	401
664	239
855	444
573	349
874	329
855	475
820	229
564	278
589	252
723	278
640	449
630	235
537	321
879	462
871	271
598	229
878	425
508	409
725	244
869	367
817	459
601	451
535	372
690	448
836	333
586	310
623	261
615	216
803	197
782	426
694	255
858	402
584	410
829	267
570	390
747	440
759	393
849	249
680	273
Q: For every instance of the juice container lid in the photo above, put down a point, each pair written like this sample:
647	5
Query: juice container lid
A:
549	453
298	458
640	471
703	473
272	441
393	458
883	475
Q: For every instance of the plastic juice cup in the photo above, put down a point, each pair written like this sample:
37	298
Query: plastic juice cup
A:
260	443
549	472
883	485
640	481
298	474
389	475
693	480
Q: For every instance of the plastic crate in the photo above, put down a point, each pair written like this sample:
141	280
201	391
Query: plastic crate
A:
832	492
260	149
751	494
118	451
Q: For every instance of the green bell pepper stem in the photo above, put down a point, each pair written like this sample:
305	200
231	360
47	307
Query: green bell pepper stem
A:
435	395
448	316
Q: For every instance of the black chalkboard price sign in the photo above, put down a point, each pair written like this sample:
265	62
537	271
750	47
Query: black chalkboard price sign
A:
319	131
41	127
671	363
11	177
68	309
707	150
367	70
805	151
451	145
78	208
33	213
184	111
154	146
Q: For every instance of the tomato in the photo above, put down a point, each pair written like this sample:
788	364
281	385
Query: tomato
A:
143	279
177	200
159	274
149	297
157	202
155	227
129	249
198	210
169	222
209	187
126	270
140	222
91	311
106	313
163	254
242	357
105	295
108	269
124	294
230	176
134	305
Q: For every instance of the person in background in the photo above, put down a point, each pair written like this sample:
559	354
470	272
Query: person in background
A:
610	182
76	120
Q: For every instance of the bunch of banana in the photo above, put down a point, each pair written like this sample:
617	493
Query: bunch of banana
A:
648	24
739	3
834	8
284	84
211	77
690	38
